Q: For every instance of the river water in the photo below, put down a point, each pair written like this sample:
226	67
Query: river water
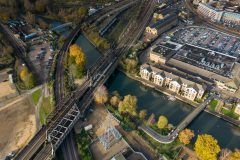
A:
155	102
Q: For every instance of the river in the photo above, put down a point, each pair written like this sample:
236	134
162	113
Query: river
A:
155	102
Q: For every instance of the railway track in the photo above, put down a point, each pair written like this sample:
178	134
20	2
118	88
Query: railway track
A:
105	66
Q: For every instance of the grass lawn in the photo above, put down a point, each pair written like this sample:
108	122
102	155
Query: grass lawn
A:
36	95
45	109
230	113
213	104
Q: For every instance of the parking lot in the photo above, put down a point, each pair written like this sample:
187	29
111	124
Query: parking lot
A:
209	39
42	58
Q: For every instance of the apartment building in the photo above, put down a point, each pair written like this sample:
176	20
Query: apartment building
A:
217	15
174	83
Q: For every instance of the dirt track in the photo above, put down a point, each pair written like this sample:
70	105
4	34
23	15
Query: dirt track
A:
18	125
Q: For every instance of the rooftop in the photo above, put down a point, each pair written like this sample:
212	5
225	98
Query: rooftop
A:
206	59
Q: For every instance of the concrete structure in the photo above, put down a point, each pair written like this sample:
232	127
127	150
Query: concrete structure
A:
179	85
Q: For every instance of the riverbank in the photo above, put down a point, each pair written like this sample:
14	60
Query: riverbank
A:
169	93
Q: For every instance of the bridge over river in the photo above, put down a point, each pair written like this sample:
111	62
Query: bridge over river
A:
173	135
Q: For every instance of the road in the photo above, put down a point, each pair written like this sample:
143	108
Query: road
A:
173	135
104	68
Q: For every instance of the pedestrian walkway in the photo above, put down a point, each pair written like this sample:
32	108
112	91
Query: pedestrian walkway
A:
173	135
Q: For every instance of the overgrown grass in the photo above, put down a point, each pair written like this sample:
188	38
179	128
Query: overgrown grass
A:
45	109
114	34
168	150
83	142
36	95
230	113
213	104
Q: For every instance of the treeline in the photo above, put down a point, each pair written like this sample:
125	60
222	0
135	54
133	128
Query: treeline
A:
6	52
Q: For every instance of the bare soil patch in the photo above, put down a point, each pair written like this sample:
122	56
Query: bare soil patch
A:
18	125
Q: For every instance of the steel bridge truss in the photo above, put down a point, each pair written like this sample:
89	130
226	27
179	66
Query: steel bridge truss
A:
57	135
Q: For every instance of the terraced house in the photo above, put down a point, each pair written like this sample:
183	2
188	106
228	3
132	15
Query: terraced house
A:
174	83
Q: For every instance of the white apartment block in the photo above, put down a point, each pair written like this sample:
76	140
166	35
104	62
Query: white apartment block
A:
208	11
217	15
181	86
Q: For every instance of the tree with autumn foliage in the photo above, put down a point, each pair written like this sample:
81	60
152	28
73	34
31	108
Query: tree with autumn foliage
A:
128	105
206	147
162	122
185	136
143	114
114	101
235	155
77	61
101	95
225	154
27	78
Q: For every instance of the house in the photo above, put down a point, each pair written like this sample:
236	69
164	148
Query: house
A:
146	71
174	83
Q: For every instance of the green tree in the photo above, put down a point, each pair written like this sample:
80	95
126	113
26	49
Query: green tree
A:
61	41
206	147
185	136
82	11
128	105
143	114
162	122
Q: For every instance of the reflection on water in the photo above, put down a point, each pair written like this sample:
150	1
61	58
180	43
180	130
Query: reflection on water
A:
158	103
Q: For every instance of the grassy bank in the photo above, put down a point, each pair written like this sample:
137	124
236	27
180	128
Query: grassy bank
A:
36	95
45	109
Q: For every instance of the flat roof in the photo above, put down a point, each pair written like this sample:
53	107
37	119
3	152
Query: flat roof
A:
163	50
205	59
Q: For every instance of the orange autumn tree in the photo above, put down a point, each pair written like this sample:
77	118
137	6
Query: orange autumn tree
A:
77	52
185	136
27	78
77	61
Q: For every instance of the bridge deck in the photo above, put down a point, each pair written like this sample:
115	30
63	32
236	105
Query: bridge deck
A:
173	135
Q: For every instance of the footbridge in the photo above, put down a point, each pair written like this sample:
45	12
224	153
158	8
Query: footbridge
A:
173	135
